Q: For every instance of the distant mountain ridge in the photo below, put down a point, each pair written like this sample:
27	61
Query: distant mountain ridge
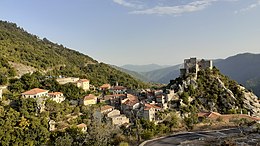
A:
143	68
244	68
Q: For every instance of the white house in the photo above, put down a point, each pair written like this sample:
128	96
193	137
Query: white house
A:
35	93
83	83
56	96
82	127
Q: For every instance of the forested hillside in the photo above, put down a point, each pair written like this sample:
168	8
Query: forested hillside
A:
19	46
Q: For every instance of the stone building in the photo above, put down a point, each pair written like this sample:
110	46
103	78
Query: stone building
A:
193	65
83	83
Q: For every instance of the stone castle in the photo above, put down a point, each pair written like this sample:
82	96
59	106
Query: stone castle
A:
193	65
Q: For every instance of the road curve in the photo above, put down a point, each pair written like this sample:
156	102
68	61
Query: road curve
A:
178	139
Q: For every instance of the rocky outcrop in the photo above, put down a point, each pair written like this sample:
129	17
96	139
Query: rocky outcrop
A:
21	68
215	92
251	103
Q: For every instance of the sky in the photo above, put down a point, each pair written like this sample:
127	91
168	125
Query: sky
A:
139	32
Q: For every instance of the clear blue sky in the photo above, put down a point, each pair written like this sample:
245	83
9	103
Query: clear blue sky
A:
142	31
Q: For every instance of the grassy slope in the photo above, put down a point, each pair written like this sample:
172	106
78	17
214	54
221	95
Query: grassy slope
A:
19	46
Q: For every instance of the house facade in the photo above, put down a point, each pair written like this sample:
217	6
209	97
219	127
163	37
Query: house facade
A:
149	111
82	127
116	118
56	96
106	109
35	93
89	100
118	90
83	83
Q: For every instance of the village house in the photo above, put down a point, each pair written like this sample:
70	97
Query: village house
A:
56	96
118	90
170	95
83	83
89	100
161	100
82	127
52	125
35	93
149	112
106	109
129	104
105	87
150	95
113	100
116	118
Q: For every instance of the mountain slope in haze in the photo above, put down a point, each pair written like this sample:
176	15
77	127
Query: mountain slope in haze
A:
244	68
143	68
134	74
21	47
163	75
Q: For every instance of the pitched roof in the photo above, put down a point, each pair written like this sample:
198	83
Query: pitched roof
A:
83	80
130	100
34	91
105	86
82	125
106	107
149	106
119	88
90	97
107	97
55	93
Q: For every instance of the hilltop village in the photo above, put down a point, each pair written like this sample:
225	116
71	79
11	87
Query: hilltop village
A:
123	107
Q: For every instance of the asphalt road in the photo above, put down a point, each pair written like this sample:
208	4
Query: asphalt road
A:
177	139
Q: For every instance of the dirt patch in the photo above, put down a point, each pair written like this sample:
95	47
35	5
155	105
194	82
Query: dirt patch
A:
22	69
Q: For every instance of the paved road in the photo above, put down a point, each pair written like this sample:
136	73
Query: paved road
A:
188	136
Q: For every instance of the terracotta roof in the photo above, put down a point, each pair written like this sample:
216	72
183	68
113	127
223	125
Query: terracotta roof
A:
90	97
131	100
82	125
54	93
119	88
34	91
105	86
149	106
107	97
83	80
106	107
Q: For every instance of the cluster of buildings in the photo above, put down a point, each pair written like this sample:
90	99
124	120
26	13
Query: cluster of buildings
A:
143	104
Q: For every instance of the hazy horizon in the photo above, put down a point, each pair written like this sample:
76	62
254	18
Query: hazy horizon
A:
137	32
